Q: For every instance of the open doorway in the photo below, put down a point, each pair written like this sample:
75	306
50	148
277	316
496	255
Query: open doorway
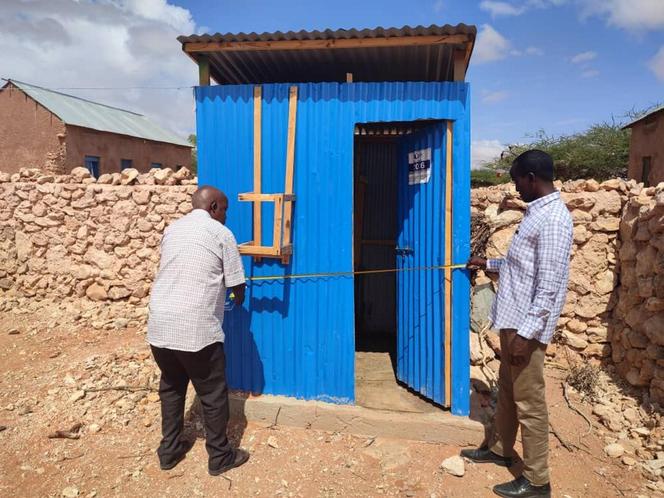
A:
377	150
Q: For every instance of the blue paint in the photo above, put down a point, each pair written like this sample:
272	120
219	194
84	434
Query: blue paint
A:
421	294
296	337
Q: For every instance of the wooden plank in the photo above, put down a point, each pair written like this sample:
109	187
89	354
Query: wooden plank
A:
252	250
448	261
287	250
252	197
290	164
257	207
395	41
459	65
278	223
203	70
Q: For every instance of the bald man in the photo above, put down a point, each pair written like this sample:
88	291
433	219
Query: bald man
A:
199	262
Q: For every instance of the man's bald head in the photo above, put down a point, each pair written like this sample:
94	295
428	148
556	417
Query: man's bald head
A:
212	200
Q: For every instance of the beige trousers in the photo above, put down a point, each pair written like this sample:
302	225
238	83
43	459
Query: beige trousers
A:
522	402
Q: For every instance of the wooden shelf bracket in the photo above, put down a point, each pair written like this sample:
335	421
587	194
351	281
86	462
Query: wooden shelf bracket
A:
281	247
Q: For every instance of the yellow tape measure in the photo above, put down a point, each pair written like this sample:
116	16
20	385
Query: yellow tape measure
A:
351	273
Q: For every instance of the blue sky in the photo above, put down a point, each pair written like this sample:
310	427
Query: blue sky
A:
528	78
553	65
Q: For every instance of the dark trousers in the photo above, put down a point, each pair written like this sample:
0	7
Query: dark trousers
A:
207	371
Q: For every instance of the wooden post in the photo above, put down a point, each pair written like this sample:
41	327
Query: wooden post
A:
257	206
290	166
203	70
278	221
459	65
448	261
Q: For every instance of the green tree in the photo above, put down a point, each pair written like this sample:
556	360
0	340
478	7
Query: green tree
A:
194	154
600	152
487	178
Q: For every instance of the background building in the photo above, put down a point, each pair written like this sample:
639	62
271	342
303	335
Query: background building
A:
41	128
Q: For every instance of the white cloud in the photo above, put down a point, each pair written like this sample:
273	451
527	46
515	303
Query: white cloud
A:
494	97
107	44
590	73
584	57
438	6
627	14
534	51
501	8
656	64
490	46
545	4
483	151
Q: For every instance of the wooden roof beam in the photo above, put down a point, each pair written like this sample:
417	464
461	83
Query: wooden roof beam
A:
397	41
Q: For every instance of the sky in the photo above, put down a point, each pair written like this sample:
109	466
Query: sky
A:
552	65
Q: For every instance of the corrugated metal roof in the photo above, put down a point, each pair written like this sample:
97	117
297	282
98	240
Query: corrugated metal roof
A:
422	62
646	115
76	111
339	34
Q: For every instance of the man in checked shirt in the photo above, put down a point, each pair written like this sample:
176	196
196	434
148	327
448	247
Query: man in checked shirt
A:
531	294
199	261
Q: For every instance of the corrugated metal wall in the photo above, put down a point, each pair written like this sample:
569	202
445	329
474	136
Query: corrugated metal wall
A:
421	294
296	337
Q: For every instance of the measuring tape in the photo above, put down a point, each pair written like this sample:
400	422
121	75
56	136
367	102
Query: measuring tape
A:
351	273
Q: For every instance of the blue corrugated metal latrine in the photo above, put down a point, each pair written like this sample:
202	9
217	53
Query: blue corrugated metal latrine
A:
297	337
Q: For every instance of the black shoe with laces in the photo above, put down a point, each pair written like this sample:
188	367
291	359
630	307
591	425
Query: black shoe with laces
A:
485	455
522	488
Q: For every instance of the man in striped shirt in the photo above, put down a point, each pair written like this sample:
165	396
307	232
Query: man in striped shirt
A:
199	261
531	294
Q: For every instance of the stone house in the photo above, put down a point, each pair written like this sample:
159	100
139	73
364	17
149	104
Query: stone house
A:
56	132
646	150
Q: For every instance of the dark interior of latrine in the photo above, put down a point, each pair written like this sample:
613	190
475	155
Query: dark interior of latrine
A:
376	160
375	222
376	225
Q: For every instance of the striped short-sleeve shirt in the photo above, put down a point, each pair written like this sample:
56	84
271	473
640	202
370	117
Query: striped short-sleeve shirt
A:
199	261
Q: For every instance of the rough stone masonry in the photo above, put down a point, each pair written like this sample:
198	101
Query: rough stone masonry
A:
615	303
94	245
72	236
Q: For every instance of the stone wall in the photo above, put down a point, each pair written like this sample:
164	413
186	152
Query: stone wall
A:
615	302
73	238
92	246
596	210
637	333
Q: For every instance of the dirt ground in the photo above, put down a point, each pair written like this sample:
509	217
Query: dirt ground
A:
53	379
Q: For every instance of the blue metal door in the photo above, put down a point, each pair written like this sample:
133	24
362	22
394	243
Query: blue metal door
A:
421	245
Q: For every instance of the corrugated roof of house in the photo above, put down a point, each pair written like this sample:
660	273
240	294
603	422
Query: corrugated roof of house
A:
76	111
641	118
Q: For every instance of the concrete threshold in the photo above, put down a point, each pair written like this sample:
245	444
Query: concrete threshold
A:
437	427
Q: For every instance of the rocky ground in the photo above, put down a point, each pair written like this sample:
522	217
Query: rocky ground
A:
79	416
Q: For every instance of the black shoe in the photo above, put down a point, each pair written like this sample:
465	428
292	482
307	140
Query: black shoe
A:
485	455
185	447
522	488
240	456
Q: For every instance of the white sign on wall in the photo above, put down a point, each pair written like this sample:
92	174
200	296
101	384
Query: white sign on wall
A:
419	166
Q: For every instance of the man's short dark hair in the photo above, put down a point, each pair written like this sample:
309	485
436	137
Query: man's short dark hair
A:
534	161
